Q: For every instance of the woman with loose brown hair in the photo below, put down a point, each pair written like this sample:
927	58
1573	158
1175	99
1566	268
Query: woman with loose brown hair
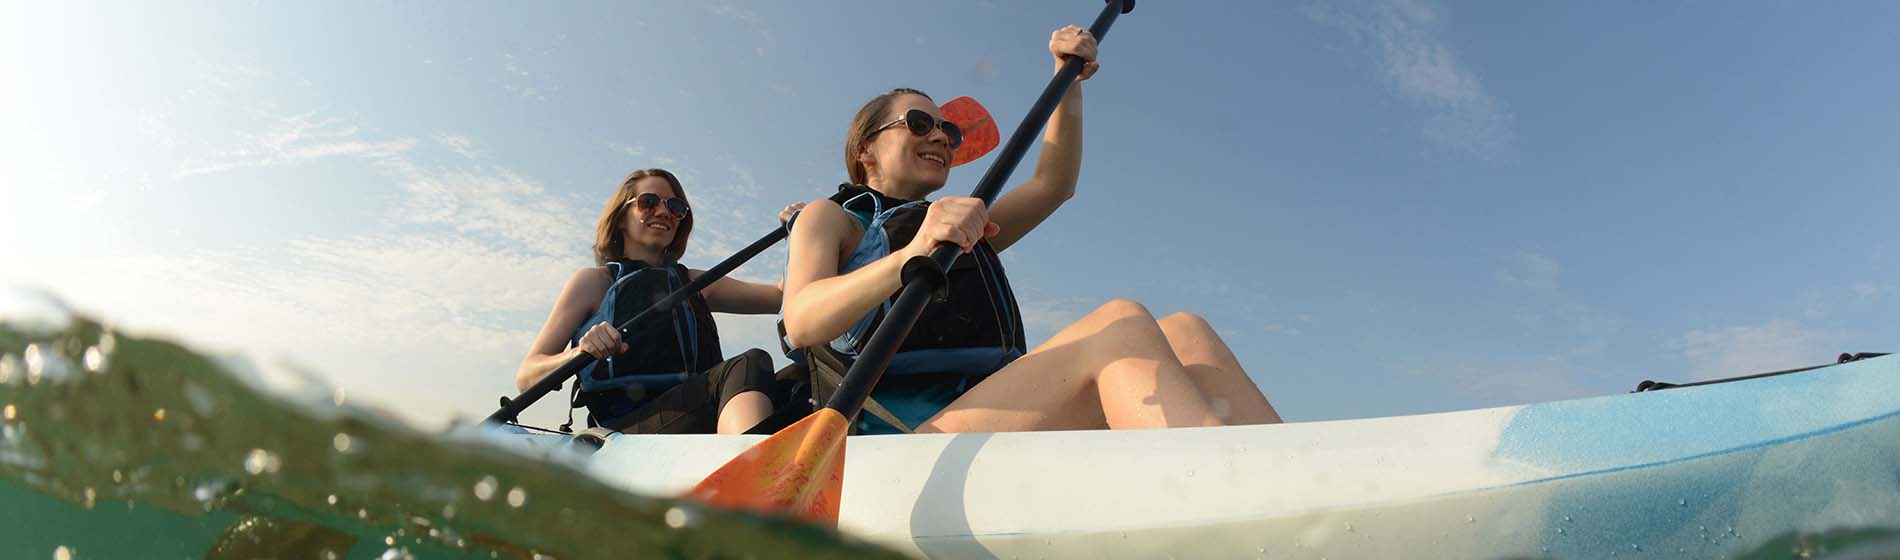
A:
964	366
670	375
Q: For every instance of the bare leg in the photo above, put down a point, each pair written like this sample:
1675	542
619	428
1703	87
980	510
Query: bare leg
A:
1112	368
1230	393
744	411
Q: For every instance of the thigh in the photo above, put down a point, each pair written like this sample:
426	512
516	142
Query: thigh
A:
1052	387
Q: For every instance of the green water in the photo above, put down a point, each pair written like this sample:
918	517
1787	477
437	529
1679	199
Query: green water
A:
113	446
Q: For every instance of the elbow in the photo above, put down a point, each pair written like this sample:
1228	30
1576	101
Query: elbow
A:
795	337
525	375
799	334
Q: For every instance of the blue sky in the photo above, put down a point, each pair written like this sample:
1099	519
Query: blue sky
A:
1387	207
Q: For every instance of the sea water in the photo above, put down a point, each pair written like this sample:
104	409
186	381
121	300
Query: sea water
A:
117	446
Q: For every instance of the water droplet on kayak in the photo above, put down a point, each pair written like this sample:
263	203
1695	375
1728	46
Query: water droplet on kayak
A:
35	364
8	364
95	360
1471	519
1190	474
328	554
389	541
362	514
1349	527
485	489
92	497
62	553
117	476
448	511
260	462
1731	529
9	413
341	442
1633	546
331	499
1682	503
1124	535
517	497
680	518
338	396
1566	519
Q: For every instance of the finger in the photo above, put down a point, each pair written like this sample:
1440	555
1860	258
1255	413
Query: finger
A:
991	229
623	347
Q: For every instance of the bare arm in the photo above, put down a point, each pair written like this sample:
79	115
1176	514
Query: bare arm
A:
732	295
577	301
1060	164
820	304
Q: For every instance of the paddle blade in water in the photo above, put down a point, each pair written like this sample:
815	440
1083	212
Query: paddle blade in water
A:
798	471
979	130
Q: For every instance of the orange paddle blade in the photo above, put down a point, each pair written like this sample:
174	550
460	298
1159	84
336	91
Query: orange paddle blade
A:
979	130
798	471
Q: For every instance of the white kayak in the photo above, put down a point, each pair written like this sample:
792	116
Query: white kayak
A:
1696	472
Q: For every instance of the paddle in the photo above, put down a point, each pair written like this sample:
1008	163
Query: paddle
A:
800	470
979	138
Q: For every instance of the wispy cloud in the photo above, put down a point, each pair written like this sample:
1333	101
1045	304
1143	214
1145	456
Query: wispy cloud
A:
295	139
752	23
461	145
1774	345
1403	40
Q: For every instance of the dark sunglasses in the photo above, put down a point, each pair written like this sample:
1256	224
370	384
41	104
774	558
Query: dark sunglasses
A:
646	201
920	124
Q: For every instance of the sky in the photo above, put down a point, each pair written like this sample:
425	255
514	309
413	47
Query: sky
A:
1386	207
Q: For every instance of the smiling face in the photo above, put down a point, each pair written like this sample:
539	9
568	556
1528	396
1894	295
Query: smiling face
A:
903	164
654	234
650	228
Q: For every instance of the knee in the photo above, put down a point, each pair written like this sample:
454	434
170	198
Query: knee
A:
1184	322
1123	308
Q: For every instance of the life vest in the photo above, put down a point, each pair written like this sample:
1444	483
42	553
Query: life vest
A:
663	348
974	331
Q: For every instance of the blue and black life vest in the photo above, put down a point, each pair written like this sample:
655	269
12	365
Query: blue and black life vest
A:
661	351
959	340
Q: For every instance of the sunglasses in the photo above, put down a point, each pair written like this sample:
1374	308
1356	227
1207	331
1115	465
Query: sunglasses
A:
920	124
646	201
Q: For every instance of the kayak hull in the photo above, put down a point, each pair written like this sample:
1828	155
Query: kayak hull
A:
1694	472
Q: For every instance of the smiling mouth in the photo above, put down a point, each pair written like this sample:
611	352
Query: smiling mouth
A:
662	226
935	158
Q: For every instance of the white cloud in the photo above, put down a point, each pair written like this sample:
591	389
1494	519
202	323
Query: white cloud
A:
1731	351
460	145
1403	38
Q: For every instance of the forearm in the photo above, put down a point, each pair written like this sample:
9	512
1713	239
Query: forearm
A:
731	295
1060	164
824	309
537	366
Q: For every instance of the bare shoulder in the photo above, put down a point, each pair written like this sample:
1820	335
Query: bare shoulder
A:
588	281
825	219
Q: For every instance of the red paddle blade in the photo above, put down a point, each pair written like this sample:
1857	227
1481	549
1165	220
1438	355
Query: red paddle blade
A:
798	471
979	130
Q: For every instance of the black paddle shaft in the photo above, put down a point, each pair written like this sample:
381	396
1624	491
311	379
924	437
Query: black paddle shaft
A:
923	275
560	375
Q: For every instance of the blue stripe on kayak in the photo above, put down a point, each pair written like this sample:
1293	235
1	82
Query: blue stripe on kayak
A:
1698	456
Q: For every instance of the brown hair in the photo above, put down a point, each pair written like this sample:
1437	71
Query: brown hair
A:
869	117
609	239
